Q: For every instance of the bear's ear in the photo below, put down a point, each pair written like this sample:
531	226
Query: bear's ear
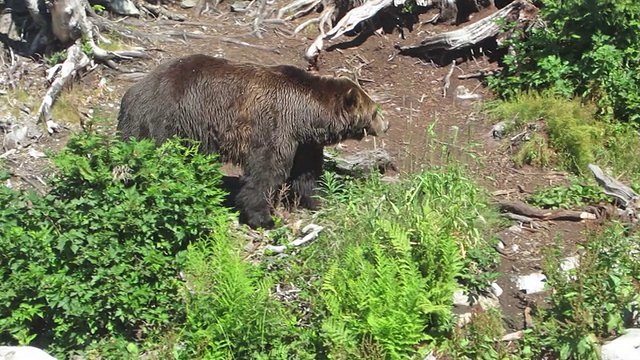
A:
351	98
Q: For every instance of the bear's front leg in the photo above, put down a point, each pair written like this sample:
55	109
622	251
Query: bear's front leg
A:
264	172
306	171
253	206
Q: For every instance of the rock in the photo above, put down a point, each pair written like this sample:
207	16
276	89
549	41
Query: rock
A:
123	7
463	93
460	298
496	289
532	283
464	319
16	137
498	130
515	229
625	347
23	353
486	302
240	6
36	154
570	263
489	302
187	4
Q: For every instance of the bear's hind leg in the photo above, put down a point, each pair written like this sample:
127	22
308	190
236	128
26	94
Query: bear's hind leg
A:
307	170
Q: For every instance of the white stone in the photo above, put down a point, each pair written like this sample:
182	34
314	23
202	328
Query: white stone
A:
625	347
496	289
489	302
532	283
460	298
570	263
515	229
23	353
464	319
123	7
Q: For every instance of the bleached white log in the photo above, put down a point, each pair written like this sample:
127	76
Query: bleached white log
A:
521	11
76	59
347	23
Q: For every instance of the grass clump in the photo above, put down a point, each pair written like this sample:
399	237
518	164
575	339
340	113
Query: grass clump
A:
575	136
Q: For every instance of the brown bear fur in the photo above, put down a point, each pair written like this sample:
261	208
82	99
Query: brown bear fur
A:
273	121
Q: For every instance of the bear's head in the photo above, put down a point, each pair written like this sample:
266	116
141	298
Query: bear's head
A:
362	113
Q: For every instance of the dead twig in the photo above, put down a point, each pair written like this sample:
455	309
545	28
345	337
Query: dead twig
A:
159	11
259	18
447	79
481	74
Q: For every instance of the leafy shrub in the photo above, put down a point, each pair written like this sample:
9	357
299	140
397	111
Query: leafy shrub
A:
99	255
388	285
230	311
477	339
588	302
568	197
588	49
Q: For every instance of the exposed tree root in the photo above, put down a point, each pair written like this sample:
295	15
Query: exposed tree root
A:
159	11
76	60
71	25
297	5
347	23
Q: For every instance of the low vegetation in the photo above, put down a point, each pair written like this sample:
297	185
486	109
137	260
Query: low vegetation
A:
131	248
587	50
568	134
131	253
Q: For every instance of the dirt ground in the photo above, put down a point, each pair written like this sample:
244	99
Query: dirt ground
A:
410	91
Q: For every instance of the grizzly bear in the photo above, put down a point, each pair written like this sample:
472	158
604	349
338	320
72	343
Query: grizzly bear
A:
272	121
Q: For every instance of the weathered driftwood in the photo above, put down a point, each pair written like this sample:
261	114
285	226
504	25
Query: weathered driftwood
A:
76	60
521	11
625	196
361	163
347	14
312	231
73	24
528	211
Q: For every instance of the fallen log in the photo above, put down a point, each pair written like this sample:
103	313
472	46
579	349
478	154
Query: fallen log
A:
528	211
623	194
520	13
345	15
627	200
362	163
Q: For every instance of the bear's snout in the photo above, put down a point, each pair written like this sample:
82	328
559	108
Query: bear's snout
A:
378	126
